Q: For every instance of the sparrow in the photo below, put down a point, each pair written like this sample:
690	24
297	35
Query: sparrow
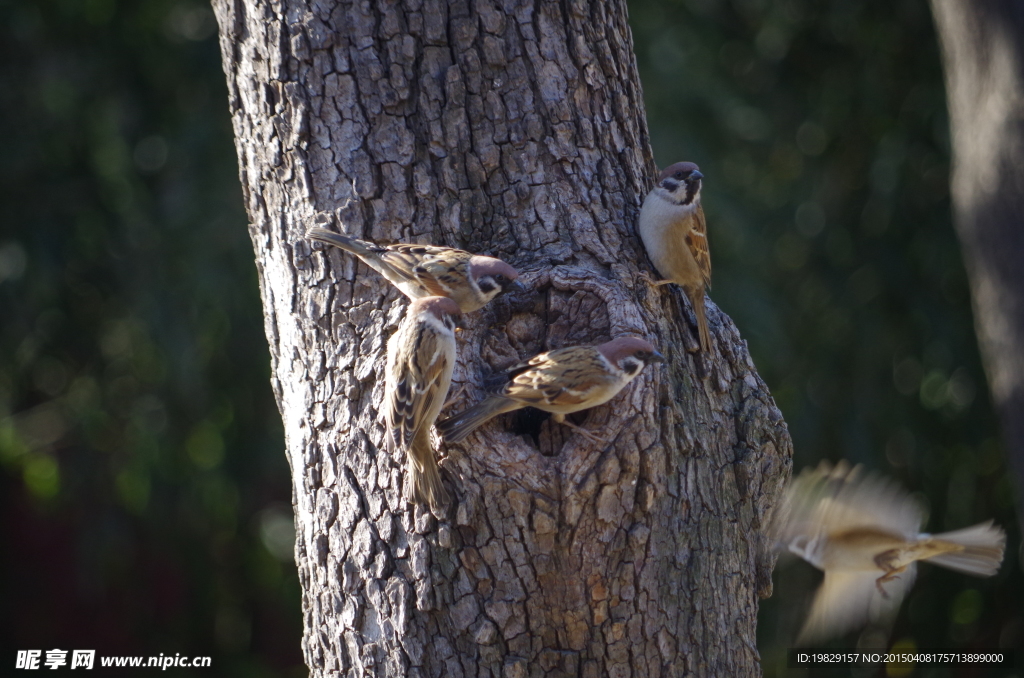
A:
863	532
562	381
421	357
675	236
472	280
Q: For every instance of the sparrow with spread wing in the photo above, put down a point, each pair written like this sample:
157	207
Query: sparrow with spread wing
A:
472	280
421	357
863	532
675	236
562	381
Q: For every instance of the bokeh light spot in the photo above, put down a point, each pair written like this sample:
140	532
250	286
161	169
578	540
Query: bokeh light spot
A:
277	531
205	446
811	138
967	607
900	669
12	261
150	154
42	476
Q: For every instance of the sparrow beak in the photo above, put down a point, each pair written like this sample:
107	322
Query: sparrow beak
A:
460	323
695	174
513	286
656	357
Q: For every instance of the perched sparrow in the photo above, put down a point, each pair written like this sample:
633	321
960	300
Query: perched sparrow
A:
562	381
675	236
421	356
418	271
862	531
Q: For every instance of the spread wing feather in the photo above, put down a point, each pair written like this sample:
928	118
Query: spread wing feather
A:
832	500
846	600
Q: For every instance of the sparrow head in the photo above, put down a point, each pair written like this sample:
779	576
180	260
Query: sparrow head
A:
682	181
630	354
442	308
492	276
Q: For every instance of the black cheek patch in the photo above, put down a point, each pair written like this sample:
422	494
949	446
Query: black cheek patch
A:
486	285
631	367
669	185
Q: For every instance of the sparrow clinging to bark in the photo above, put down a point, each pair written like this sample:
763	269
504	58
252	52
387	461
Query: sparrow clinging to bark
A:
675	236
472	280
863	532
562	381
421	356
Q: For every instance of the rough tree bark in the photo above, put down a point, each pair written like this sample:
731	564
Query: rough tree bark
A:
983	58
514	129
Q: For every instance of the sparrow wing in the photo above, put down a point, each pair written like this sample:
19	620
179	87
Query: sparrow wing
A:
847	599
697	241
830	500
436	269
566	379
423	367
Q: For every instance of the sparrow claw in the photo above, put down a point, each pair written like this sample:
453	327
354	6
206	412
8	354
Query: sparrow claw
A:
886	578
646	277
592	437
453	399
878	585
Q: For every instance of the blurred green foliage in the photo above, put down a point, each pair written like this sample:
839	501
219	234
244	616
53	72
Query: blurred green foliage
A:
821	128
145	493
142	476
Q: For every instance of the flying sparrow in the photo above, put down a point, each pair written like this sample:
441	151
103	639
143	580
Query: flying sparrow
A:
421	356
675	236
562	381
471	280
863	532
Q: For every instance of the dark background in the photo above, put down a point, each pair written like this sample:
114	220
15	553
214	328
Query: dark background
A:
144	491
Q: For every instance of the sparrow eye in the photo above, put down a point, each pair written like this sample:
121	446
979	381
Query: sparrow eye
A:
680	175
500	279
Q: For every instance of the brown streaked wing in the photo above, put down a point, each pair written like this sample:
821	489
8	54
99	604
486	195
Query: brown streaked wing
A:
697	241
404	260
544	380
447	270
416	389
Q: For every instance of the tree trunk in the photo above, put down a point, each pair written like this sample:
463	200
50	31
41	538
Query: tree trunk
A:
983	56
514	130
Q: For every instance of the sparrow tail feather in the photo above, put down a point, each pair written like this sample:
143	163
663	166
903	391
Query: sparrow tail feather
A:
461	425
981	551
362	249
425	486
347	243
697	300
